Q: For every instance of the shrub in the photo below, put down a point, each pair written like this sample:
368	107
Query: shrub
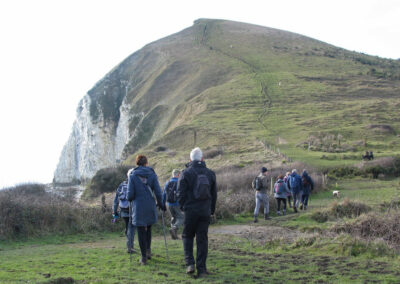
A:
106	180
373	226
349	209
212	153
337	210
31	211
320	216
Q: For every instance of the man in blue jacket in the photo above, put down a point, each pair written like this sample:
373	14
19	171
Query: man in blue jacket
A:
296	186
170	196
197	194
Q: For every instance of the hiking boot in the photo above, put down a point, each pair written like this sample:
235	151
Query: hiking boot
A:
295	209
255	219
131	250
278	213
266	217
301	207
202	274
305	207
143	260
148	254
284	212
174	236
190	269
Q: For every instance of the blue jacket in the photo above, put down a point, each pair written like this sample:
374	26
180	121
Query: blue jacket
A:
164	194
283	189
124	212
308	183
295	182
144	212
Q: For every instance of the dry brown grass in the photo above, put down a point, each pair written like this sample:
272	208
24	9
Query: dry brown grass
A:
375	226
30	211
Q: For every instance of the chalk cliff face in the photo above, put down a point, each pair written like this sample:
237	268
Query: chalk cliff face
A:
91	145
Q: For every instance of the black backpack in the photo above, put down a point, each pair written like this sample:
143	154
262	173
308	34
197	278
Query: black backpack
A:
202	188
256	183
171	191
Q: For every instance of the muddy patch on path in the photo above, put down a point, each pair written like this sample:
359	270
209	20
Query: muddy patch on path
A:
260	233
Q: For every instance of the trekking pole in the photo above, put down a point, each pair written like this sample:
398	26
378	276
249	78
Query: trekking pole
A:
165	238
130	232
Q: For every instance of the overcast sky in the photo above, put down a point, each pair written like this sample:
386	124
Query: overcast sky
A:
52	52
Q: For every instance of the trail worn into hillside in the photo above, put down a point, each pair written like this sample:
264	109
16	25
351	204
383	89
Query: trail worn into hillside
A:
266	98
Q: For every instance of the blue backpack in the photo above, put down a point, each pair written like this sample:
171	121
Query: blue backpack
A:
295	183
123	196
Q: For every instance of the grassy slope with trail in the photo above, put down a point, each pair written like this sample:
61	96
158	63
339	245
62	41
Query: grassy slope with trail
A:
318	258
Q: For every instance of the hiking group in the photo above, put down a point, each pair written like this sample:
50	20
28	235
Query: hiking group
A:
190	195
292	185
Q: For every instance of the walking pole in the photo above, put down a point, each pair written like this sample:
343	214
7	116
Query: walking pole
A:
129	226
165	238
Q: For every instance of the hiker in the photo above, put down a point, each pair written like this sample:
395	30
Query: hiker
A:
260	185
289	193
296	186
143	189
371	155
197	195
280	194
308	186
169	196
121	201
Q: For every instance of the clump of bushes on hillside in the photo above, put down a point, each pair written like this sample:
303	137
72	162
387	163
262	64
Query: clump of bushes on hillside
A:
372	226
385	166
347	208
30	211
106	180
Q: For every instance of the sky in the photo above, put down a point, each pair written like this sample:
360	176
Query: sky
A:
52	52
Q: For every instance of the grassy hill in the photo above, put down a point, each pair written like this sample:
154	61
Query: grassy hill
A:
236	87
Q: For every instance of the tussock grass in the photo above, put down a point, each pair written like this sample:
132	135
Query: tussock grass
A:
28	211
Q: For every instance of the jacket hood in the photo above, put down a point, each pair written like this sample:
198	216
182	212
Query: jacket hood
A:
305	174
293	174
279	180
143	171
196	164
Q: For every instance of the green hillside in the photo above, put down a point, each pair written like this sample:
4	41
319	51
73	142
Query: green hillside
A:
235	87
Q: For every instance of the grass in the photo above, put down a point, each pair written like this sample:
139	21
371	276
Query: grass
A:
313	258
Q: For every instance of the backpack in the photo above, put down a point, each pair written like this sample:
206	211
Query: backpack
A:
123	196
295	182
202	189
256	183
171	191
305	180
278	188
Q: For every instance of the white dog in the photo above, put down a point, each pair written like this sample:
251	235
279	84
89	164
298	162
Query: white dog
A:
336	193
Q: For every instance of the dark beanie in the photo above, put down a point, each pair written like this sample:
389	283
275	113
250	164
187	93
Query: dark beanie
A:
264	169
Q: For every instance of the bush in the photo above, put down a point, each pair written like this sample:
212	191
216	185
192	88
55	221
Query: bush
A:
373	226
29	211
320	216
337	210
349	209
106	180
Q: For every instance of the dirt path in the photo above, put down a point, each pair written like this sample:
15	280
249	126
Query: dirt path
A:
259	232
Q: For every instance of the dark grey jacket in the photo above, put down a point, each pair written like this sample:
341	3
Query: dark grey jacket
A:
186	184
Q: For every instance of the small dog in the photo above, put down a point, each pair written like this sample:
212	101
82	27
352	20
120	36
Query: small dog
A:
336	193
